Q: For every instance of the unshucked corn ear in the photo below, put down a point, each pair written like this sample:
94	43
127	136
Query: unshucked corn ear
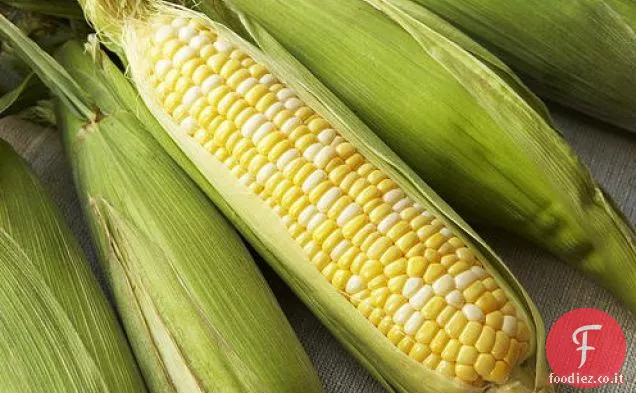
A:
460	118
397	276
198	313
58	333
581	53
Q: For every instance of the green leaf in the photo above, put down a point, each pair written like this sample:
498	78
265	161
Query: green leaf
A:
23	96
56	324
69	9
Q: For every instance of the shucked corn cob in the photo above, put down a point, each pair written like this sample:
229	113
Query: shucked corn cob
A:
383	270
407	273
57	332
460	118
199	315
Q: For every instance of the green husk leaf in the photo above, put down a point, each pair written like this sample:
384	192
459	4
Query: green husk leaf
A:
61	8
408	9
268	235
167	265
467	132
56	327
22	96
580	53
48	70
199	314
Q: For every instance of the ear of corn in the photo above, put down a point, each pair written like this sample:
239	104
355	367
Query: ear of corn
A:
580	53
57	332
400	279
467	132
199	315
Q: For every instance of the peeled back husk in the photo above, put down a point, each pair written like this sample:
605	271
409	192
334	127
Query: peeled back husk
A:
198	313
262	225
461	119
58	334
213	320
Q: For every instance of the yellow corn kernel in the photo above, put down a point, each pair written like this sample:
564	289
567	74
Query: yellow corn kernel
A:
467	355
451	350
456	325
500	373
495	320
486	340
471	333
433	307
466	373
501	345
484	364
439	342
419	352
427	332
416	266
433	272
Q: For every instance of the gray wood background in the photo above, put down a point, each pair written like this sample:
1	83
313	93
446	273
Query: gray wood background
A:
556	288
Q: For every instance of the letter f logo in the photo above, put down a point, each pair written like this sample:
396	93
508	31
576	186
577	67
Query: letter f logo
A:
583	343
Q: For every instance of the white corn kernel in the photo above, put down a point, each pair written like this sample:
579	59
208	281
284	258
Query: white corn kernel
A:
355	284
473	313
273	110
286	158
340	249
246	85
193	94
198	42
455	299
509	325
328	199
414	323
162	67
403	314
411	286
186	33
315	178
211	83
479	272
421	297
464	279
285	94
348	214
163	34
223	46
388	222
250	126
263	131
316	220
444	285
265	173
311	152
306	215
290	125
393	196
326	136
184	54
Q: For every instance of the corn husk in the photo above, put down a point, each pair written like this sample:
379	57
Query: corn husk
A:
460	118
580	53
199	315
260	226
57	330
61	8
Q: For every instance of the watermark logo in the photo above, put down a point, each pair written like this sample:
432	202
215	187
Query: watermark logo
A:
586	348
